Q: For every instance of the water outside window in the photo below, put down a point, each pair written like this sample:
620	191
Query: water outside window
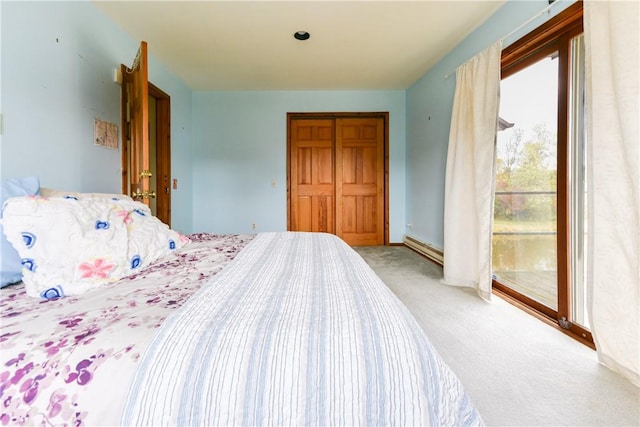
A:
524	231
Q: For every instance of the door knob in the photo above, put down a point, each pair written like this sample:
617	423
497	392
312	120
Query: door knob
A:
143	195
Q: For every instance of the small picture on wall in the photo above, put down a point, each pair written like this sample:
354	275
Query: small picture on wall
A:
105	134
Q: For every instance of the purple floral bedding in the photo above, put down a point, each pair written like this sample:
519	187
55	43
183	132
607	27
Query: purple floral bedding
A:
70	361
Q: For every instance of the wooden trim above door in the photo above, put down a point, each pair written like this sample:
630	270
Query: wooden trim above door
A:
338	115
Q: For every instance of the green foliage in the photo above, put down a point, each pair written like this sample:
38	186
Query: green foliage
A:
526	166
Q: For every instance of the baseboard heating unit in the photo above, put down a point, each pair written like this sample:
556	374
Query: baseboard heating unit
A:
429	251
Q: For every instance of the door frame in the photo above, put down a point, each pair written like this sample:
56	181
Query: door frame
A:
163	153
342	115
163	148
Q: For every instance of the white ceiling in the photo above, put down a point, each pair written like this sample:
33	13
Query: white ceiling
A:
249	45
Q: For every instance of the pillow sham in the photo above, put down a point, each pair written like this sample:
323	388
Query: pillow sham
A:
10	260
50	192
71	245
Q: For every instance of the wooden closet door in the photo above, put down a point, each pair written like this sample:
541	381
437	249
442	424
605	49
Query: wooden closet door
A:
312	175
360	180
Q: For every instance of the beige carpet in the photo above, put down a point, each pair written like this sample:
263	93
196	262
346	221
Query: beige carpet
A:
517	370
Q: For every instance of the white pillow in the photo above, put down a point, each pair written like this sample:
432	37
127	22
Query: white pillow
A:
49	192
70	245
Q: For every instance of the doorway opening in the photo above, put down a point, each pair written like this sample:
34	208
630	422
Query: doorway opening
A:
157	147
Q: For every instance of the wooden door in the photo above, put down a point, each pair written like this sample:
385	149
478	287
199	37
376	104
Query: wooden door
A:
337	175
312	175
146	161
136	135
360	180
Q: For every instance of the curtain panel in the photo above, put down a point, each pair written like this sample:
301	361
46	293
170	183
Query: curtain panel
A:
469	181
613	162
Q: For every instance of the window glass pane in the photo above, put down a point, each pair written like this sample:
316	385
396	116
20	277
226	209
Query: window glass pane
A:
578	187
524	239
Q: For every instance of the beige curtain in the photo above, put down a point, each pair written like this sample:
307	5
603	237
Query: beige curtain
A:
613	162
469	185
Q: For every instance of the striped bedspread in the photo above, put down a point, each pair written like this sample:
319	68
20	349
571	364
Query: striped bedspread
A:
297	330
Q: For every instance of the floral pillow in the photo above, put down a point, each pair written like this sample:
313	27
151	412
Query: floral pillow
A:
11	271
69	245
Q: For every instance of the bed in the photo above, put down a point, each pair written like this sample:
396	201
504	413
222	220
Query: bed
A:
276	328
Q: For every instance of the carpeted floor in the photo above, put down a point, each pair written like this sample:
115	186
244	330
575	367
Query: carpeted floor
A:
517	370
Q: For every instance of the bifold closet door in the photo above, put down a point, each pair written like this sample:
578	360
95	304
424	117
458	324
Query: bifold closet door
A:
312	175
360	180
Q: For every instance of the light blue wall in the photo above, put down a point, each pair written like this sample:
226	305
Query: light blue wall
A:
240	141
429	104
57	76
58	60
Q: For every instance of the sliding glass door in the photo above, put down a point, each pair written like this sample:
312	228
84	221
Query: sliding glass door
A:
525	213
539	233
